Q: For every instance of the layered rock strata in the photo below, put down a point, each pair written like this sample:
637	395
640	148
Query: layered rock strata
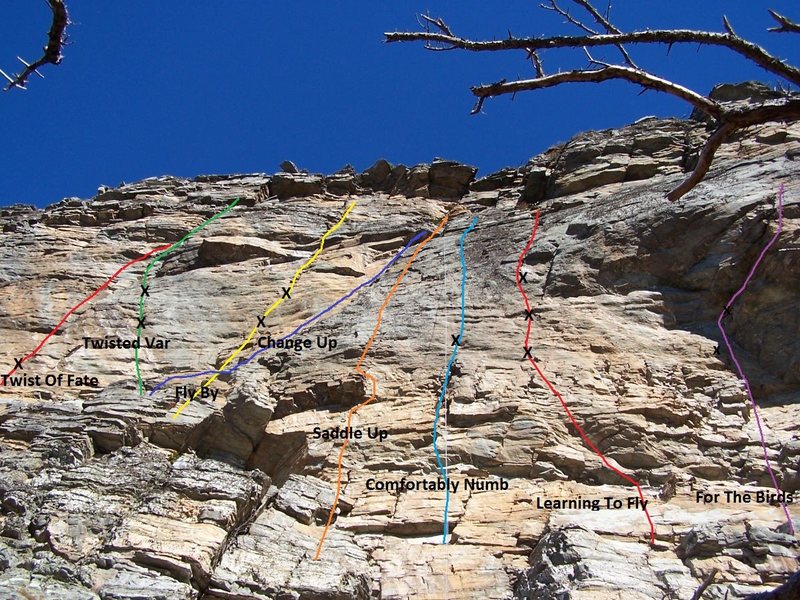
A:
105	495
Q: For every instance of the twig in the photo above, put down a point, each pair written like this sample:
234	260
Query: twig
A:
786	26
597	16
566	14
439	23
425	20
56	38
607	25
706	582
592	60
537	62
727	25
479	103
584	27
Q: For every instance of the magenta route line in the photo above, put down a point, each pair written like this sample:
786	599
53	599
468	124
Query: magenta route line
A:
742	376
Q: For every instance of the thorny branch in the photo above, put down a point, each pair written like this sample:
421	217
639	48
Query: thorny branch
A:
786	26
601	20
553	5
727	25
739	45
727	118
438	24
605	73
56	39
537	63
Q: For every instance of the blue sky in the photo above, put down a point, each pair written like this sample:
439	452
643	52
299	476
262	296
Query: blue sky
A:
187	87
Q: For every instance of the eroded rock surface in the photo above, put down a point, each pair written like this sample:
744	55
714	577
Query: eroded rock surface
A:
103	494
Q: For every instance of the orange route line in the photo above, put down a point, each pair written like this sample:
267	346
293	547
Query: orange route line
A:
371	378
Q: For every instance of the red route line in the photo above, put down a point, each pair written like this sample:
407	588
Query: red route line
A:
107	282
583	435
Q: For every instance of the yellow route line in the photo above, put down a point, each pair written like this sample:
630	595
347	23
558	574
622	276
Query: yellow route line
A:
272	307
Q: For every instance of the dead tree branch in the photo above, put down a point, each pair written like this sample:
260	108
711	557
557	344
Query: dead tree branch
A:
537	63
730	122
56	39
607	25
606	73
727	25
786	26
704	161
787	591
749	50
553	5
438	23
706	582
728	118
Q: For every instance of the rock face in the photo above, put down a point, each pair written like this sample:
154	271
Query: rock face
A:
105	493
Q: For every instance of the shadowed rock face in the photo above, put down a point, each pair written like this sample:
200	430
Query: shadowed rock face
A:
104	495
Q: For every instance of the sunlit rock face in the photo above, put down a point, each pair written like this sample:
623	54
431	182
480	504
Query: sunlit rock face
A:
105	493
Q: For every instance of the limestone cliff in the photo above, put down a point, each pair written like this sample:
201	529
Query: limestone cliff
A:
106	495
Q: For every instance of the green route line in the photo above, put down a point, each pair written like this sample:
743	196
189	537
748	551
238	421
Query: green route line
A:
158	257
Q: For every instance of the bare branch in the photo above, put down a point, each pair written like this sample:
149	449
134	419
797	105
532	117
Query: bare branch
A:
537	62
433	48
584	27
8	77
727	25
478	106
597	16
595	76
425	20
730	120
592	60
728	117
566	14
790	589
704	160
706	582
656	36
607	25
786	109
786	26
438	23
56	38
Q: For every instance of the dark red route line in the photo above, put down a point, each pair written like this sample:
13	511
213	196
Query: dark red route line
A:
583	435
107	282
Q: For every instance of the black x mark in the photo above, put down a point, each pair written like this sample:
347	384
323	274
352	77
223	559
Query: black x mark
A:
17	363
523	277
456	340
528	314
286	294
527	352
141	322
726	311
261	322
716	349
144	290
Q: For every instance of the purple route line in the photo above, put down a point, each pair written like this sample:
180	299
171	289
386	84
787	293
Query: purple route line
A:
299	327
742	376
